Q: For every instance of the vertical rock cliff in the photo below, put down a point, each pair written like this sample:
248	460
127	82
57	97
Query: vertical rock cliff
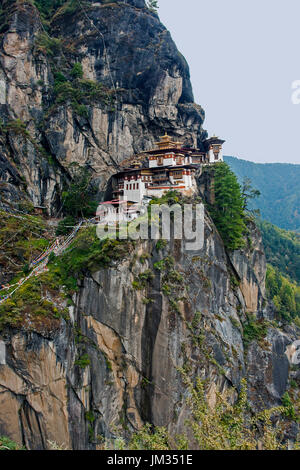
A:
135	85
114	362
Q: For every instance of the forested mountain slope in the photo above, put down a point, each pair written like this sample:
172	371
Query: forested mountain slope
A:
279	184
282	249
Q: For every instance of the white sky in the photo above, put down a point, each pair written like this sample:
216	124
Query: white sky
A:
243	57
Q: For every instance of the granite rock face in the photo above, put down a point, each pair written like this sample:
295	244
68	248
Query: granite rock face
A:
115	364
121	45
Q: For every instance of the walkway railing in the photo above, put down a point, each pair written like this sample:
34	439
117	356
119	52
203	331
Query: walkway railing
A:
39	265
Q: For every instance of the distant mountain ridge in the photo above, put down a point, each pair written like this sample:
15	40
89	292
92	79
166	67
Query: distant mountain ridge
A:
279	184
282	249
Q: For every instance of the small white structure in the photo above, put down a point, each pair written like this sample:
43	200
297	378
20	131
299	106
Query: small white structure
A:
111	212
214	149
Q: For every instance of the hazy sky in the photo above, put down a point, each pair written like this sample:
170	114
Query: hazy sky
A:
243	57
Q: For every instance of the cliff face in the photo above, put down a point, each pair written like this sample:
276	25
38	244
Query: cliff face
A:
145	90
115	364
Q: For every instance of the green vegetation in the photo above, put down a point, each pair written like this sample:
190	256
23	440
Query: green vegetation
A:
80	92
289	408
69	85
172	282
249	193
48	45
77	71
227	210
235	323
22	239
279	186
149	439
78	200
254	330
164	264
147	301
90	417
48	7
70	7
30	306
8	444
87	254
227	426
284	293
65	226
142	280
17	126
170	198
197	335
161	244
83	361
39	302
144	257
282	249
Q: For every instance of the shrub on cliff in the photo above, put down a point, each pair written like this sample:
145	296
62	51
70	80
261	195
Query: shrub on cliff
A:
88	253
48	8
254	330
282	249
228	208
80	92
7	444
66	225
224	426
78	198
284	293
48	45
77	70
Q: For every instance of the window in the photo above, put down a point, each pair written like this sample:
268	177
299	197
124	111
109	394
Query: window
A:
177	174
137	185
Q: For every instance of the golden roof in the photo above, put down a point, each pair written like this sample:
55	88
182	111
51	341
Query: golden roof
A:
167	142
136	162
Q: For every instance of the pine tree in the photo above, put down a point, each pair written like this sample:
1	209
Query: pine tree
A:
228	209
78	199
